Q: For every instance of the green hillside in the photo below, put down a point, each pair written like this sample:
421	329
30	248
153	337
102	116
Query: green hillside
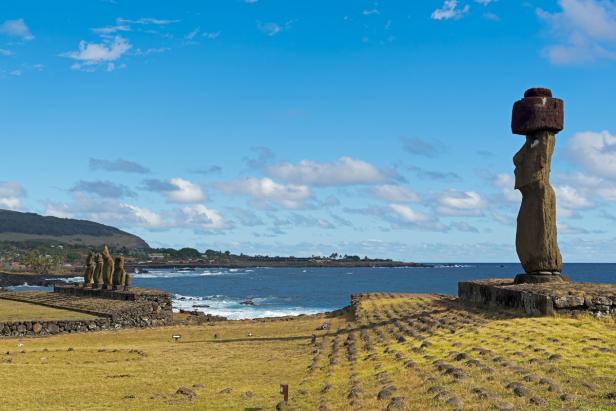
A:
22	227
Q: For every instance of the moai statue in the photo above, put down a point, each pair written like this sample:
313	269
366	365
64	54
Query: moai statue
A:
539	117
128	281
107	268
88	277
119	274
98	271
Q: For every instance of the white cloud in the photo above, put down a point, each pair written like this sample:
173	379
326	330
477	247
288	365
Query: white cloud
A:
4	52
107	211
185	192
177	190
394	193
266	190
16	28
90	54
344	171
202	218
271	28
584	29
461	203
408	215
193	34
144	217
570	198
485	2
11	194
506	183
595	151
450	10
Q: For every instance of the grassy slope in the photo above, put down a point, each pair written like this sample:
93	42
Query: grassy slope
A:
346	368
16	311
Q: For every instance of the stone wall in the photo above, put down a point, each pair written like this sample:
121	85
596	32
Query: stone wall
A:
540	299
40	328
114	309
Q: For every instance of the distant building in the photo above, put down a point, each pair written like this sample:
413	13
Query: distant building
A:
156	256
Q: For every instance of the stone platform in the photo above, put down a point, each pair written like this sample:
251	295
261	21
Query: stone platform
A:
540	299
134	294
114	309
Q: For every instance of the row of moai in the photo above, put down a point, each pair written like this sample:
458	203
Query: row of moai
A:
103	272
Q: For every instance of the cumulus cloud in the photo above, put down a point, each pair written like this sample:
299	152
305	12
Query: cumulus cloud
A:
450	10
201	218
461	203
265	191
585	31
11	195
107	211
394	193
506	183
344	171
16	28
119	165
596	151
94	54
408	215
106	189
176	190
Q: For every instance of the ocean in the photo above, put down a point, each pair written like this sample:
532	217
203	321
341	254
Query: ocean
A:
293	291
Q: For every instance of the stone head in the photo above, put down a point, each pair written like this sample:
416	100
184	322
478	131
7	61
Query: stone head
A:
537	111
119	261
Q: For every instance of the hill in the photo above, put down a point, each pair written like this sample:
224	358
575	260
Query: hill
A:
26	227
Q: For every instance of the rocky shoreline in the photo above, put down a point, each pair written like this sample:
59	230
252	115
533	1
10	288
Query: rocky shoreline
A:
46	280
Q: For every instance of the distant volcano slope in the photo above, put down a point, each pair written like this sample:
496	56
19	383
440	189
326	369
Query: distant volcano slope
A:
20	227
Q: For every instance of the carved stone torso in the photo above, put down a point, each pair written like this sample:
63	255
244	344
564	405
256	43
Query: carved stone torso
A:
536	238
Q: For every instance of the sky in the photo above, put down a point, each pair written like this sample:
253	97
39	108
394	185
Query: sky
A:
294	127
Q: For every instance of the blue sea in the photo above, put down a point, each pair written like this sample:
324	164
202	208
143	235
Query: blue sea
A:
294	291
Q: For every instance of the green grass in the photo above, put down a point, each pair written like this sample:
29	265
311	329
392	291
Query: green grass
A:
142	369
17	311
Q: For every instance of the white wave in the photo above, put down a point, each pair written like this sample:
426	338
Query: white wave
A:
453	266
67	280
188	274
233	310
27	287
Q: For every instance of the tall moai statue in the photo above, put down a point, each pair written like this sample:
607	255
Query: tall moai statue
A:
119	273
539	117
107	268
88	277
98	271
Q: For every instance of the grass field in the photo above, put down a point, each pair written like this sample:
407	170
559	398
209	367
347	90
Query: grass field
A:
16	311
401	352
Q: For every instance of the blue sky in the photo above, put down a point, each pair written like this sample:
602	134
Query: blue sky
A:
298	128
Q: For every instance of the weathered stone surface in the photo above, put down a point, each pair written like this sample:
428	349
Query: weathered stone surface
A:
539	299
538	110
119	273
98	270
568	301
108	267
536	242
88	277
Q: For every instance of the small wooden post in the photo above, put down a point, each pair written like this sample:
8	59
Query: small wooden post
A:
284	390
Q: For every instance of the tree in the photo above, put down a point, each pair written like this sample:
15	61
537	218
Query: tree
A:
43	264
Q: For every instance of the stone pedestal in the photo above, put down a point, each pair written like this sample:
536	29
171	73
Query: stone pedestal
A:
540	278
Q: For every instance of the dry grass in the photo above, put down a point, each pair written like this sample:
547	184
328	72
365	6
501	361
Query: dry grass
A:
17	311
347	367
